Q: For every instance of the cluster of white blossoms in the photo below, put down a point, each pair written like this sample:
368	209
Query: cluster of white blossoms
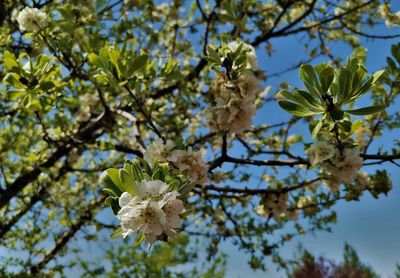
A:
154	211
234	103
362	181
342	165
390	18
32	19
307	204
275	203
190	163
233	107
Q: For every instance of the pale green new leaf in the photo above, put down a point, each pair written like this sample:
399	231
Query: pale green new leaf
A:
295	109
310	80
117	233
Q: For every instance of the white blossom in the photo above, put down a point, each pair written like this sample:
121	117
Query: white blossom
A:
191	164
304	201
152	190
274	203
362	180
341	163
320	151
158	151
172	208
343	166
234	103
153	212
146	217
32	19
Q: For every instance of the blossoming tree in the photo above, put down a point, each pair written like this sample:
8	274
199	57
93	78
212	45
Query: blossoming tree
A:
146	108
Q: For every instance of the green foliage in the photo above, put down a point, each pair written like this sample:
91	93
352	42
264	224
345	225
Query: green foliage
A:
35	84
119	67
234	62
328	90
380	183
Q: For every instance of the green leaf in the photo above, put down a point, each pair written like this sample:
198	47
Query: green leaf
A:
113	203
326	77
395	49
345	125
110	191
336	114
186	213
295	109
113	175
47	86
140	239
140	62
114	55
377	75
310	100
128	183
366	110
391	64
310	80
94	59
355	126
345	83
14	94
137	171
185	188
13	79
302	98
117	233
10	63
316	129
359	77
213	55
362	90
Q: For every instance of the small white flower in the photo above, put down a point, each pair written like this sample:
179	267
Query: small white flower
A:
191	164
125	199
153	212
32	19
304	201
320	151
147	217
363	180
158	151
153	190
343	167
172	208
274	203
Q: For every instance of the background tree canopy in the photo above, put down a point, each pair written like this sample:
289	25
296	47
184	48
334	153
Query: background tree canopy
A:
175	88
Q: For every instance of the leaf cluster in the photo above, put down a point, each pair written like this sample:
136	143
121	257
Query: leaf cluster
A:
328	90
